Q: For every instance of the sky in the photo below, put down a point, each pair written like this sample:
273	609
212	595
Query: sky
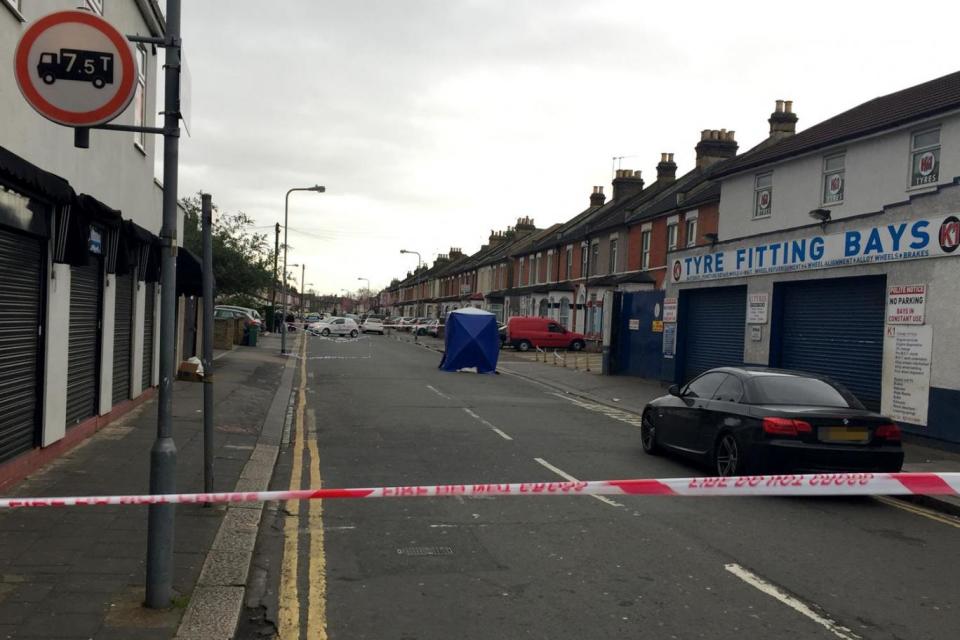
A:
433	122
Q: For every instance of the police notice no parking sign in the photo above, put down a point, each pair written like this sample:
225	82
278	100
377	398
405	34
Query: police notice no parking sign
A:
76	69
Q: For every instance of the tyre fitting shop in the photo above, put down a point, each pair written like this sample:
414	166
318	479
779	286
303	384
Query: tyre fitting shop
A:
845	304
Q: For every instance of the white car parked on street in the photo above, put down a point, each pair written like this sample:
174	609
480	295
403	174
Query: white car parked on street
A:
337	326
372	325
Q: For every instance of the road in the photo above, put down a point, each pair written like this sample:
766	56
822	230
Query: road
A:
379	412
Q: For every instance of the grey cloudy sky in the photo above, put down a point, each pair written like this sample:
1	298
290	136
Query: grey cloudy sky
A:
431	122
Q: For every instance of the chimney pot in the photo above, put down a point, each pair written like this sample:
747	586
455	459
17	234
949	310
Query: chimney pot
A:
705	134
779	108
788	106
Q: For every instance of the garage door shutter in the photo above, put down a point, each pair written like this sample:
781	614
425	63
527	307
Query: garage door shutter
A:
834	327
21	284
712	321
83	365
122	338
148	311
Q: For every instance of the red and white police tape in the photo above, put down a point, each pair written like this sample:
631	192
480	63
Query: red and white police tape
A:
819	484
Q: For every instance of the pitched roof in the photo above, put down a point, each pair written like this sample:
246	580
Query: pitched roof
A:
694	188
886	112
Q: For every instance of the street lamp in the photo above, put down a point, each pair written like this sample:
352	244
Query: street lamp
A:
417	281
368	288
303	276
286	211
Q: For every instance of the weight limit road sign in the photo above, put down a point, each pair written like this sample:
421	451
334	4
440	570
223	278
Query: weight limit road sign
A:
74	68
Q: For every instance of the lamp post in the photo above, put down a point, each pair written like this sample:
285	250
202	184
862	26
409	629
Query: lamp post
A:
286	211
368	289
417	281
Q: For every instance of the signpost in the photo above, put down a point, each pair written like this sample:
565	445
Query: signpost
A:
77	70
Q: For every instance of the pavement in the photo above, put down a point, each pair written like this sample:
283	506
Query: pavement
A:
80	572
378	412
567	375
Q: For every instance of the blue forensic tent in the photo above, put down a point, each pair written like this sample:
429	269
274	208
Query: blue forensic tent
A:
471	340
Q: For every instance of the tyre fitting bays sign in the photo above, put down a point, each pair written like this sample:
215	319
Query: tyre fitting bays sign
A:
75	69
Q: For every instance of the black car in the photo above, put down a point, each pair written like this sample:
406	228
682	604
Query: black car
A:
755	420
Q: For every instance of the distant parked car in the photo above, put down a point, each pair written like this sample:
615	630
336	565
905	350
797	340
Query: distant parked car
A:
404	323
335	326
249	316
525	333
313	317
419	326
372	325
754	420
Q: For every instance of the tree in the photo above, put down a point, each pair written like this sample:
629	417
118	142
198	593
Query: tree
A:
242	259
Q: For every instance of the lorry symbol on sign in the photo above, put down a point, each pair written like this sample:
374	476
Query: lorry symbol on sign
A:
95	67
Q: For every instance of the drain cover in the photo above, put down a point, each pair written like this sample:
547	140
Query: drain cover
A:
425	551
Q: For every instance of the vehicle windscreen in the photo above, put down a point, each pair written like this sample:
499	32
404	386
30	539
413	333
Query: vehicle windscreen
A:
798	390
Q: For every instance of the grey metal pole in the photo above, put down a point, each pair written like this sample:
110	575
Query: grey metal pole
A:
207	214
283	275
163	454
303	286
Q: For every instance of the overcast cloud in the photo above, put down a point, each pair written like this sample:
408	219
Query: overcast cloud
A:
433	122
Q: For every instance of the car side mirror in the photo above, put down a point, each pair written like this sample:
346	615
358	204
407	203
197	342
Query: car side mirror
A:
674	390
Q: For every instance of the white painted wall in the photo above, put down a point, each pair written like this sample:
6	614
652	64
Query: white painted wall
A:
877	175
106	342
112	170
155	378
56	348
136	365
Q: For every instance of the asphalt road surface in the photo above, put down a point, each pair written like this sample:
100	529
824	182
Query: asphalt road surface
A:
378	412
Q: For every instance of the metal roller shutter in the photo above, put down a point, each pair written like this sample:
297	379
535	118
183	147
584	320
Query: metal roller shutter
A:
150	298
712	321
122	338
83	360
21	286
833	327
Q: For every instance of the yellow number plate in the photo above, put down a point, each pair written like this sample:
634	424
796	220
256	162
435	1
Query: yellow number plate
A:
844	434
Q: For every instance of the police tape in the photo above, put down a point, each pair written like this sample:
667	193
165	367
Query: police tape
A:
818	484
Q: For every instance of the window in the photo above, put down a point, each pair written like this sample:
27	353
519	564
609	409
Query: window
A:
704	386
645	249
520	275
539	263
833	179
140	99
564	315
798	390
554	328
612	267
763	195
583	260
730	390
569	261
691	232
925	158
550	266
594	255
672	229
96	6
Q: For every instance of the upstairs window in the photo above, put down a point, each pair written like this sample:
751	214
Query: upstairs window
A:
763	195
645	249
613	256
584	255
549	266
672	236
834	179
925	158
594	256
691	231
520	274
569	261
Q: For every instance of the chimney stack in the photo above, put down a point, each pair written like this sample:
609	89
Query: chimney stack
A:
667	169
597	198
525	224
783	121
627	183
715	145
455	253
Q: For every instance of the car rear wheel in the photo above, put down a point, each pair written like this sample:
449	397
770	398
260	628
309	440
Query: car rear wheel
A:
524	345
353	333
325	332
727	456
577	345
648	435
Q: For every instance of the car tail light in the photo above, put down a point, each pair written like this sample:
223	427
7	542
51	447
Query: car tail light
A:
888	432
785	427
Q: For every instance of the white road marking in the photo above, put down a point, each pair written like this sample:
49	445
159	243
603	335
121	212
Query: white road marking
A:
438	392
774	591
497	431
567	476
611	412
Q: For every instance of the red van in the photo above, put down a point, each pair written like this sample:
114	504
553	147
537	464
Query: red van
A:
524	333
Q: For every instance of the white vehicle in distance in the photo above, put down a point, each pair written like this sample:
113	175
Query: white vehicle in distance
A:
372	325
336	326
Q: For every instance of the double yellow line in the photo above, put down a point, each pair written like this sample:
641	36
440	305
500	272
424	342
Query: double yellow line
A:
290	610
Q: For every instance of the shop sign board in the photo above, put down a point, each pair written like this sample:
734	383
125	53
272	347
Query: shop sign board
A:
669	340
906	304
931	237
634	324
757	304
669	309
906	373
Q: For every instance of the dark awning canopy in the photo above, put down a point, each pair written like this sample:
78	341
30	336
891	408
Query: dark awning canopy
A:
34	180
189	274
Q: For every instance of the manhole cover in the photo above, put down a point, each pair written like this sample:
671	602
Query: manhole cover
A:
425	551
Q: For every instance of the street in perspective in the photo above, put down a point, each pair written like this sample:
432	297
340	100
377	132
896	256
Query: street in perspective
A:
426	320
